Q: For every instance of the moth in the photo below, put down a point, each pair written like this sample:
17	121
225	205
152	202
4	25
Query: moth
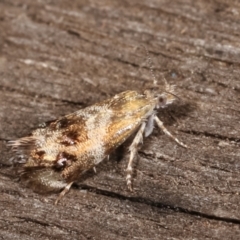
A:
54	156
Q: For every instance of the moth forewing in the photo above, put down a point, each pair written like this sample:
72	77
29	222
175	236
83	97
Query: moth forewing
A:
55	156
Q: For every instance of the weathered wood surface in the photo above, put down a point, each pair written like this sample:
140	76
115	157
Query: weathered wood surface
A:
59	56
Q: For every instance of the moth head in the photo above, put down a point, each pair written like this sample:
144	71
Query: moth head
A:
166	97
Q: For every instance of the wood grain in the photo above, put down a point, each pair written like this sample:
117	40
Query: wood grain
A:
59	56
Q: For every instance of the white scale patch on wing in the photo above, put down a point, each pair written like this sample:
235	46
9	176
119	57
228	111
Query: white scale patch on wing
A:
99	122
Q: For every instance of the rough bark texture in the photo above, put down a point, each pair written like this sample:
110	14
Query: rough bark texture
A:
59	56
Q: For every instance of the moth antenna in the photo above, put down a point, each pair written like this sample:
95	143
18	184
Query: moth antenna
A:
150	63
174	95
169	89
166	83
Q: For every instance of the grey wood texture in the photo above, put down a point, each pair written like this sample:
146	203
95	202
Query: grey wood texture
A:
57	57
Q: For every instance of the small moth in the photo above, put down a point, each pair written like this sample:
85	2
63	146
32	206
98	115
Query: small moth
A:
54	156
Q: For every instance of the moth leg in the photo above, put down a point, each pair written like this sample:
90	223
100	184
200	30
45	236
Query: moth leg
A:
63	192
133	151
161	126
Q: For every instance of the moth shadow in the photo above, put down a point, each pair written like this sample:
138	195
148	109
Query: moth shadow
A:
175	112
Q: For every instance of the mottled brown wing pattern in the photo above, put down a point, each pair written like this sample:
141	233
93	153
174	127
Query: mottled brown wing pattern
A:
54	156
112	123
79	141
